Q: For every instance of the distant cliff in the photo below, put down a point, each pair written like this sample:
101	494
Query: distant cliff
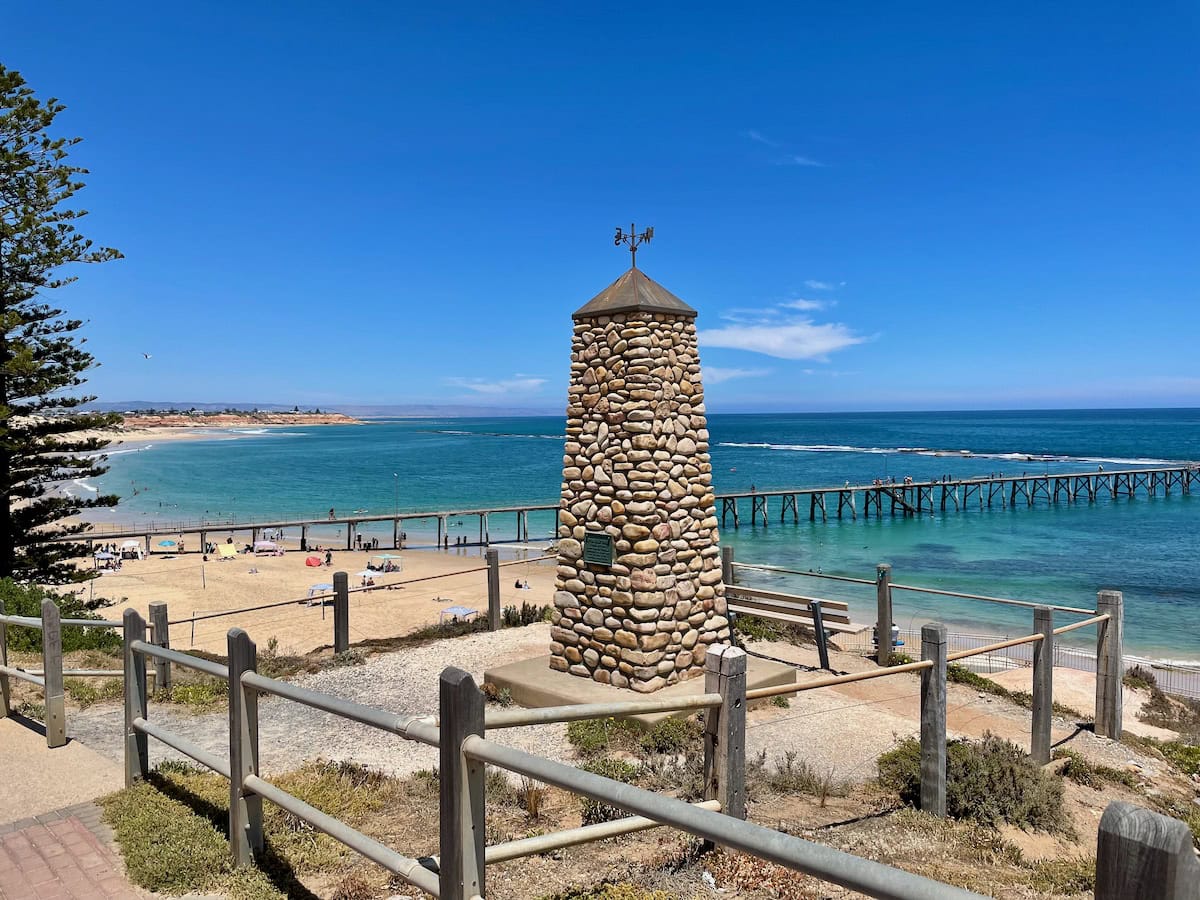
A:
233	420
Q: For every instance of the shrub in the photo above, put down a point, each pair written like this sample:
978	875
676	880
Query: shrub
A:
671	735
791	775
1065	876
1172	713
989	781
594	811
1089	774
528	614
1140	677
26	600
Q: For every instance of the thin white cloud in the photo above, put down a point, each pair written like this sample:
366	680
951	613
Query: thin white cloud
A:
808	305
799	339
814	285
795	159
717	374
520	384
759	138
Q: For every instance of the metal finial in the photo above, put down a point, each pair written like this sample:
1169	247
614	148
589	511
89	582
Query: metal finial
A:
633	240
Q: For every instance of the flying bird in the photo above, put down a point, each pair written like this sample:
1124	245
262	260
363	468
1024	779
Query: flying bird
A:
147	355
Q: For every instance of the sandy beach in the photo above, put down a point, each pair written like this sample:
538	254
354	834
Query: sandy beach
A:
190	586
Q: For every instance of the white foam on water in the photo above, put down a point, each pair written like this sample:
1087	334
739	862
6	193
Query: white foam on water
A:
964	454
87	487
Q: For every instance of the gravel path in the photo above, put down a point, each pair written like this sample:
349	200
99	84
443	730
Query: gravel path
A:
404	682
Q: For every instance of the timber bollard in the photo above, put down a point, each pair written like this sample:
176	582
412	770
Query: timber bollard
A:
1109	664
725	729
245	807
1143	854
5	689
52	673
493	588
933	720
341	612
161	636
463	827
883	613
137	753
727	566
1043	685
822	637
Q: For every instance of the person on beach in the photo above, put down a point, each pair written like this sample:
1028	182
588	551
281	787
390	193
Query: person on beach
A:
331	512
329	557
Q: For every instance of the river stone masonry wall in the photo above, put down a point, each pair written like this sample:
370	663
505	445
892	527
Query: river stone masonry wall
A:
636	467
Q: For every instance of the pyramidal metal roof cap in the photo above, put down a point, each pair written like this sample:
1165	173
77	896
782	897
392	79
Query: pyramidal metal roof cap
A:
634	291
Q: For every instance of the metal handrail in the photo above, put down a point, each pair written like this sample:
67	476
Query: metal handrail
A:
513	718
781	689
410	870
35	622
22	675
1005	600
585	834
989	648
781	570
853	872
181	659
1086	622
184	746
414	728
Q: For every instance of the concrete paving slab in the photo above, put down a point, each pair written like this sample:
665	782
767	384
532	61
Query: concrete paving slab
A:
49	779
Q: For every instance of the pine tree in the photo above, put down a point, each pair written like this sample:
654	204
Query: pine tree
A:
42	359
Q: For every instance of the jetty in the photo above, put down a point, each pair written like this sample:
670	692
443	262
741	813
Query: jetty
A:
915	498
882	498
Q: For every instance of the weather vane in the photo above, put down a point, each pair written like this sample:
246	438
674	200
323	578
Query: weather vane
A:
633	240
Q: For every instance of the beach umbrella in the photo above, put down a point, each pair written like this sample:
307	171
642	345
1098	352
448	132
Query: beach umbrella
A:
367	573
132	544
104	554
387	556
166	543
320	588
265	545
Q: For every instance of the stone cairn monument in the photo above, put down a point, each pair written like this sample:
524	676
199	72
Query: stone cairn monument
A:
639	595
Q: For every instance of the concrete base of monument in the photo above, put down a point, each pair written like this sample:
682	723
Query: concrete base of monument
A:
533	684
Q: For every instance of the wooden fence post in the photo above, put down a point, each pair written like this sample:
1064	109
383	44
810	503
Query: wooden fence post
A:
1043	685
1109	664
933	720
341	612
161	636
137	754
5	690
725	729
461	789
822	637
883	614
245	808
493	588
1142	854
52	673
727	566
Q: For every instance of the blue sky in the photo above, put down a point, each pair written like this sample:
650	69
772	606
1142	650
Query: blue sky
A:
872	206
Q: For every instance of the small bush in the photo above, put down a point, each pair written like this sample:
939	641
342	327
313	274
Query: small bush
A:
26	600
532	796
1140	678
197	695
528	614
682	776
1173	713
899	659
493	694
85	692
611	890
1089	774
989	781
594	811
671	735
791	775
592	736
781	701
1065	876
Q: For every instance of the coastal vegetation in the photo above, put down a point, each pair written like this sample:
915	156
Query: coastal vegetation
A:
26	600
42	358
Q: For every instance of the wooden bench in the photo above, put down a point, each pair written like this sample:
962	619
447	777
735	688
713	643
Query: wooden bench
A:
792	608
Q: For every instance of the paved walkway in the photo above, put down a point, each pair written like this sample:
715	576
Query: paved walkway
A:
48	848
62	854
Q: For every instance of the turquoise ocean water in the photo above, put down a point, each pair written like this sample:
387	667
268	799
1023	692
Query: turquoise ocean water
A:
1147	548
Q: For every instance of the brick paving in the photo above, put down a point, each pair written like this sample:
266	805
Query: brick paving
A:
61	855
